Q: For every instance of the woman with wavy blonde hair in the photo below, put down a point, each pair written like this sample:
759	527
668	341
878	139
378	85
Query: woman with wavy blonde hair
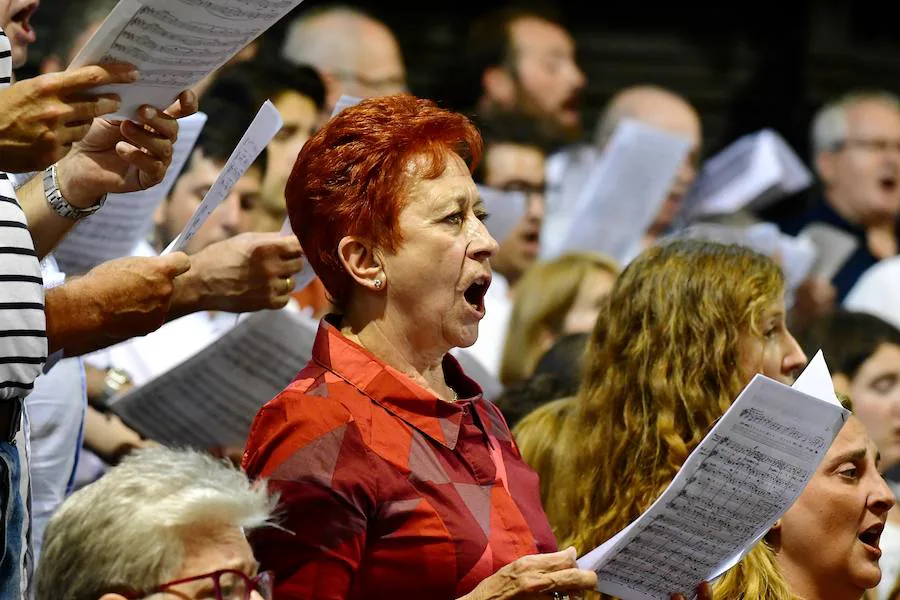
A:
552	299
687	326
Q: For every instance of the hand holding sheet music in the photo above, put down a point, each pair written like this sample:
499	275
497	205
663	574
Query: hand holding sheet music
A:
175	43
744	475
125	218
261	131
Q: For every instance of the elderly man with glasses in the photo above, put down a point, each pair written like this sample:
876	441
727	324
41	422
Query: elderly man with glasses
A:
856	153
167	522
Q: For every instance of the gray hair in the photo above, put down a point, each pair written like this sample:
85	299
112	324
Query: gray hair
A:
126	531
829	127
325	48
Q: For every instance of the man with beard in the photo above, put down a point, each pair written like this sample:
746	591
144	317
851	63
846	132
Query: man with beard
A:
523	61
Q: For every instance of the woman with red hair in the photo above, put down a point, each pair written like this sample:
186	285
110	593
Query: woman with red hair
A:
397	479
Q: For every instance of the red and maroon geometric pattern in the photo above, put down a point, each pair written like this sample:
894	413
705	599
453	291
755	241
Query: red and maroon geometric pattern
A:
388	492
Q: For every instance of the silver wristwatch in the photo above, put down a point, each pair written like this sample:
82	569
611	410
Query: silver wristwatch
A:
59	204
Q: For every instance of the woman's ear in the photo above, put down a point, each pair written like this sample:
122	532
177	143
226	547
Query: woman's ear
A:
361	262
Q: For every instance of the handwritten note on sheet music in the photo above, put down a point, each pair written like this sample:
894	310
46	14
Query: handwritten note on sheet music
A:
265	125
623	191
210	399
125	218
753	172
176	43
505	210
744	475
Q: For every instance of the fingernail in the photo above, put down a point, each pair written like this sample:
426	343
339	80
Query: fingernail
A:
132	75
148	112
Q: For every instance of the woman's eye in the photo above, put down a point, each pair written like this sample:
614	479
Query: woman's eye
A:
849	472
483	216
455	218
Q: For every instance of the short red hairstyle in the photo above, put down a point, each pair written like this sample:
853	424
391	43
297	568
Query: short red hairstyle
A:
351	178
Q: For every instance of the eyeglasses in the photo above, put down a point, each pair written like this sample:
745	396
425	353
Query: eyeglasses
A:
228	584
877	145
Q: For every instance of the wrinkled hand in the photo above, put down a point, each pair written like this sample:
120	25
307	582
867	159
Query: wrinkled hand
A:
132	295
123	156
536	576
249	272
814	299
42	117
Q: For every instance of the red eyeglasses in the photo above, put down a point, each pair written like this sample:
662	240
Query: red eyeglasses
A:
228	584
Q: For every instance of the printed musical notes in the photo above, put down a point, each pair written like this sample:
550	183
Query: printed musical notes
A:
210	399
175	43
113	231
744	475
265	125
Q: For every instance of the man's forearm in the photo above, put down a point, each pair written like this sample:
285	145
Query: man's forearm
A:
46	226
74	320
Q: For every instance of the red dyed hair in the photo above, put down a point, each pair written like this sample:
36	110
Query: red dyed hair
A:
351	178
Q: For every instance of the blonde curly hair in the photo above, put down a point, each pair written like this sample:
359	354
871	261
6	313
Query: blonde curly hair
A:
661	367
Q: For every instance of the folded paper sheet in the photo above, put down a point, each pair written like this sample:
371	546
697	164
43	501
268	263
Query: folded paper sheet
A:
622	192
753	172
175	43
125	219
263	128
744	475
210	399
834	247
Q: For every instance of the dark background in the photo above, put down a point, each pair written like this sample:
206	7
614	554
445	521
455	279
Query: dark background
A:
745	65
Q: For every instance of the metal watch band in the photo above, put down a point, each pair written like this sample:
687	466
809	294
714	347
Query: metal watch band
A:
59	204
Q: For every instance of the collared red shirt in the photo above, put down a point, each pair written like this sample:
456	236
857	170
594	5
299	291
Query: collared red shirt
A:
386	490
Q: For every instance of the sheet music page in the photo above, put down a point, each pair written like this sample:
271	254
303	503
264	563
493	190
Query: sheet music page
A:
113	231
505	210
265	125
175	43
306	274
625	189
745	474
730	180
565	173
795	176
343	102
797	256
752	172
834	247
210	399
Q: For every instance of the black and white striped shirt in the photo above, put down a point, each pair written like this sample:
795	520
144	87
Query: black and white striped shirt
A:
23	327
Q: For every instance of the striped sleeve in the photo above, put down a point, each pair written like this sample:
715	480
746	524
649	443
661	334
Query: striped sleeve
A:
23	326
23	335
5	60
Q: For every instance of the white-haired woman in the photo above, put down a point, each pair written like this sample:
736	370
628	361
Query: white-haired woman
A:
169	522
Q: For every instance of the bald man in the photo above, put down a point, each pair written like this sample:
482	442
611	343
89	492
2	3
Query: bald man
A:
356	54
669	112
